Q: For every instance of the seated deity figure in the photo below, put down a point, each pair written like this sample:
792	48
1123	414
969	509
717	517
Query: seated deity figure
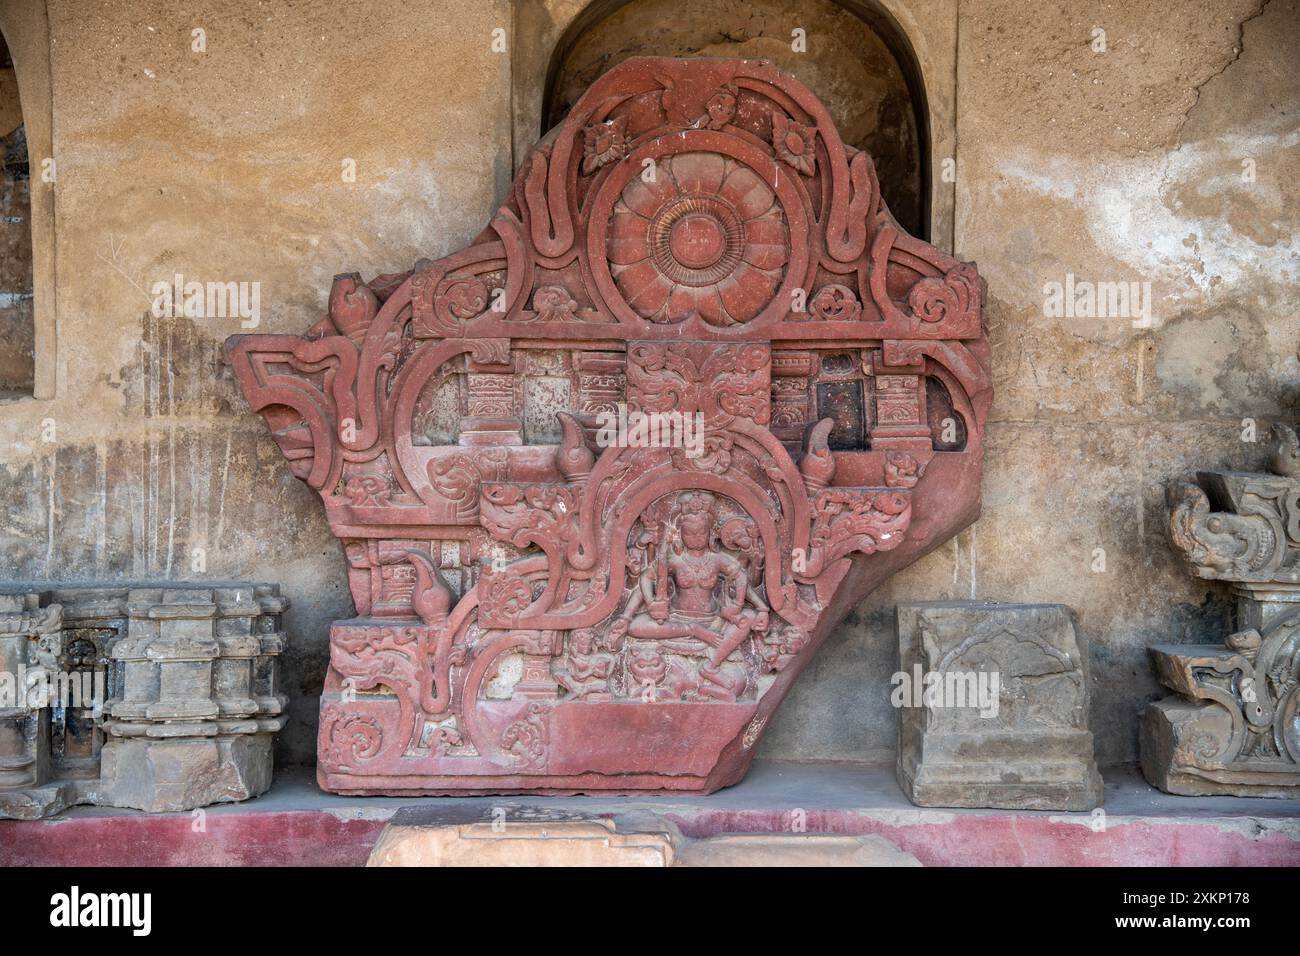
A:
693	589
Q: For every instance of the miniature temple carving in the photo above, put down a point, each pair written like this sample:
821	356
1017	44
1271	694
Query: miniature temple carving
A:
1234	726
159	697
607	477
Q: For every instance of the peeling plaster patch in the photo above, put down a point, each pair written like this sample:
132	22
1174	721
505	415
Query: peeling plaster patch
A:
407	206
1211	358
1238	48
1141	225
1056	178
1135	210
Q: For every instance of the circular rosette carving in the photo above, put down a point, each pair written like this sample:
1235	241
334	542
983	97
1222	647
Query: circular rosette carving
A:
706	237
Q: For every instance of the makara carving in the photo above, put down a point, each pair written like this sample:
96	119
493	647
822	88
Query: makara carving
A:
607	477
1235	725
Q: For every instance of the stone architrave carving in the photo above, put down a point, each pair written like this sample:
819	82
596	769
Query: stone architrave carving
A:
159	698
1234	726
1006	723
555	591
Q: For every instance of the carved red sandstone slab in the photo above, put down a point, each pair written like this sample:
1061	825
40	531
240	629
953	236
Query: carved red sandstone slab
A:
542	610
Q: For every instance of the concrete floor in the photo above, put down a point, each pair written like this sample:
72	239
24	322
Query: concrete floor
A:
297	823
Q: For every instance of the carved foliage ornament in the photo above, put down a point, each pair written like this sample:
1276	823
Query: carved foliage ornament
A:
606	569
1234	726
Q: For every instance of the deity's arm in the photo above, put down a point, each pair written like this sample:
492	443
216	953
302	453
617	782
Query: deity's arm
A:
735	575
645	589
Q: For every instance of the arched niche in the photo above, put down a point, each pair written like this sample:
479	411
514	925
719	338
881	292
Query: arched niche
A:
856	58
17	324
26	34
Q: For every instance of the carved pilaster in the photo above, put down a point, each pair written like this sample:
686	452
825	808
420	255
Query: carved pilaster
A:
900	403
29	649
492	405
792	408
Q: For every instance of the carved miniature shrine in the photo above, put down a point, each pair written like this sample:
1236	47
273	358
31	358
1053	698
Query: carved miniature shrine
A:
541	607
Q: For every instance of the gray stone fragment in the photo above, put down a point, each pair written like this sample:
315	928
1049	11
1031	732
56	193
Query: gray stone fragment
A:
993	708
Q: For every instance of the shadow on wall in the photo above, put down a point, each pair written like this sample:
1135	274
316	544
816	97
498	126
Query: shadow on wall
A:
863	70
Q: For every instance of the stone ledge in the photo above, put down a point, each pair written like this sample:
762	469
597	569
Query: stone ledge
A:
295	824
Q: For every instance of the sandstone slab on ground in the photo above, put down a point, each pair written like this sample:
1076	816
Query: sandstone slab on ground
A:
510	834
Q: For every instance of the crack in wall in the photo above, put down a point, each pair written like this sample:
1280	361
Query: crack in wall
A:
1238	49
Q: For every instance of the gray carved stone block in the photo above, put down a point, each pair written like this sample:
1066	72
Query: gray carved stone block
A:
29	644
993	705
199	707
186	702
1234	726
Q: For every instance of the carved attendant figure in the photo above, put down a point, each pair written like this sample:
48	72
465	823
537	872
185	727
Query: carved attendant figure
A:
586	671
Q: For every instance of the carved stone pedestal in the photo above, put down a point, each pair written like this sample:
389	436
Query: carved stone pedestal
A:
1234	727
607	477
198	708
159	698
994	708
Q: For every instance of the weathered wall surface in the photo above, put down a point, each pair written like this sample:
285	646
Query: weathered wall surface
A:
229	165
1119	166
223	166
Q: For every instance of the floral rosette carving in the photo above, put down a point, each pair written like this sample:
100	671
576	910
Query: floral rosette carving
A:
502	595
353	738
794	143
836	303
721	109
370	490
526	740
706	237
553	303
